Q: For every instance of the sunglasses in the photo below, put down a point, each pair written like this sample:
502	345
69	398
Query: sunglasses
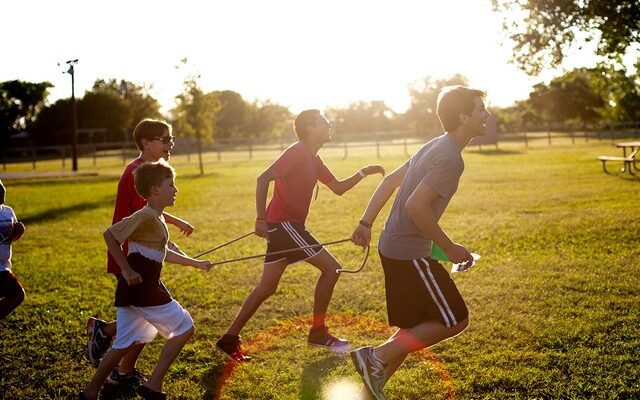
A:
164	139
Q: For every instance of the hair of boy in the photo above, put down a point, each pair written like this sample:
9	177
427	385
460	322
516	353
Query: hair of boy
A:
303	121
453	101
150	128
151	174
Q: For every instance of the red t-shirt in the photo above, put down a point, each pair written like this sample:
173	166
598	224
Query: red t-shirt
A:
297	171
128	201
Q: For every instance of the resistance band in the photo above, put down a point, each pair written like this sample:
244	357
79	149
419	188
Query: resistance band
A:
339	270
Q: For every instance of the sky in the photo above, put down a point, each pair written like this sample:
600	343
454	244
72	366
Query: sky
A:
301	54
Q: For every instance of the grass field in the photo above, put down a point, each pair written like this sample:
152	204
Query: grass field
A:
554	302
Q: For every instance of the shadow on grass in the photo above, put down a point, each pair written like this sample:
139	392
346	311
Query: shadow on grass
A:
54	214
315	374
493	152
215	377
54	181
117	392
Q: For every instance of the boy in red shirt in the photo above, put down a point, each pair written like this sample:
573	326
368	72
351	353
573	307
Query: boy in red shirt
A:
154	140
295	173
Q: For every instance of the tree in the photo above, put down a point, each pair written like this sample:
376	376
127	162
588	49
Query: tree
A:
53	122
20	103
362	117
195	113
544	30
231	118
572	97
622	94
137	101
266	119
115	106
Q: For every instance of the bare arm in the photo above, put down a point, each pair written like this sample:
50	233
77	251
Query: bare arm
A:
420	208
340	187
177	258
185	228
362	234
131	276
17	231
262	187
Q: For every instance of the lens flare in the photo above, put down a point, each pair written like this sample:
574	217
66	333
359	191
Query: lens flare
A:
343	389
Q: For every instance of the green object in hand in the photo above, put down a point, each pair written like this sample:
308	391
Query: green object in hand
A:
438	254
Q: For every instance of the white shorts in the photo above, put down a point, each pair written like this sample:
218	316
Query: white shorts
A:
142	324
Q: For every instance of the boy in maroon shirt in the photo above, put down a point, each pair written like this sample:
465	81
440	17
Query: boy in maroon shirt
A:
154	140
295	172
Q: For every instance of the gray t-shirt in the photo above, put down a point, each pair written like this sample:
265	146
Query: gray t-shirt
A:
439	165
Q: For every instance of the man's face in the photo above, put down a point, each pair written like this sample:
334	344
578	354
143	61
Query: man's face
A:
477	121
156	147
322	129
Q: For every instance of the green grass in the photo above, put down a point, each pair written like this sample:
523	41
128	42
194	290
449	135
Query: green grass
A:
554	301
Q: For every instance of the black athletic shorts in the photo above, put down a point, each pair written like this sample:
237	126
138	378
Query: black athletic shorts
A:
9	285
289	235
421	290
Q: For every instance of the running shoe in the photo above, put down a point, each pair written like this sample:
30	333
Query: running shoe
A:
230	345
133	377
99	342
371	371
320	337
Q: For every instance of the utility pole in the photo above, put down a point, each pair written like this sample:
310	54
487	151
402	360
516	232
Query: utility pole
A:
74	147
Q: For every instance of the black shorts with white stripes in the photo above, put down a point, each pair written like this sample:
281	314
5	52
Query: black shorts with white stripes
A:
289	235
421	290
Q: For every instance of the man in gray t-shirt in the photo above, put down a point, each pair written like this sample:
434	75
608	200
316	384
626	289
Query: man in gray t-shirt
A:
422	299
439	165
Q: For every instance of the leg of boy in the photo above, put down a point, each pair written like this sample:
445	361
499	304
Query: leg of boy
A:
417	338
271	274
168	355
11	293
319	334
327	264
109	361
128	362
8	304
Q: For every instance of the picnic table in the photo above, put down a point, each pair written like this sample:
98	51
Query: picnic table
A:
629	162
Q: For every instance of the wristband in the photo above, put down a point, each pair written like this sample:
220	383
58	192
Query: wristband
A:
261	219
362	174
365	223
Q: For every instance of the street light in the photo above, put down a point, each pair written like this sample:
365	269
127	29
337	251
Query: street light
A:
74	147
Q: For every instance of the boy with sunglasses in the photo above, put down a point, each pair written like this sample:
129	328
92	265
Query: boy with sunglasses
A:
154	140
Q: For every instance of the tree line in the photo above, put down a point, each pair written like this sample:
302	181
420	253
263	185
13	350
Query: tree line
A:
584	97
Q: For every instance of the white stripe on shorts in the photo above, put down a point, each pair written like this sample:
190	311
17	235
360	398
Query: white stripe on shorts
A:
438	298
297	238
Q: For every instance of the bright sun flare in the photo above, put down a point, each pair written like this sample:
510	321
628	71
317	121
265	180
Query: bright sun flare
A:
343	389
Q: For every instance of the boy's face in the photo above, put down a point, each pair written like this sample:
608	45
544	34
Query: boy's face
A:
477	121
166	192
156	148
322	129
